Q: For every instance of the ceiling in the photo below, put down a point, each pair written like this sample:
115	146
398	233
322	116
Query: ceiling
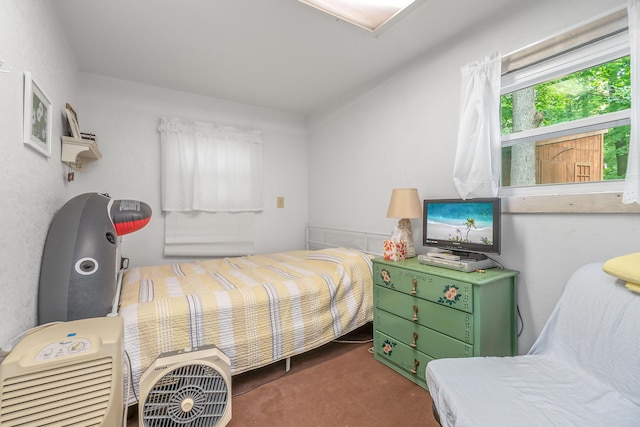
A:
280	54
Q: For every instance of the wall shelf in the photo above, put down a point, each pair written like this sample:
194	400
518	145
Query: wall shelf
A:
77	153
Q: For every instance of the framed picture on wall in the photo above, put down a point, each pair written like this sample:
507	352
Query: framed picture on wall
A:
37	117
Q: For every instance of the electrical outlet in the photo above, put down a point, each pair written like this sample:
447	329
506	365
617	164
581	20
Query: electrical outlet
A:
280	202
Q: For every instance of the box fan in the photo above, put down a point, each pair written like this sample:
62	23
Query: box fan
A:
187	387
65	374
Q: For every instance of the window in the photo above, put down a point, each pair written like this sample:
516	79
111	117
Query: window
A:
565	107
211	187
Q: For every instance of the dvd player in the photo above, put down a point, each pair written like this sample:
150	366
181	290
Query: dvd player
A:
463	264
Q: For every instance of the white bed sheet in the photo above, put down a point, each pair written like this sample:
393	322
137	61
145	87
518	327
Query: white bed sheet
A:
495	391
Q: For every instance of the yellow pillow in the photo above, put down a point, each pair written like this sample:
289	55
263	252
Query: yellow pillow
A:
634	287
626	267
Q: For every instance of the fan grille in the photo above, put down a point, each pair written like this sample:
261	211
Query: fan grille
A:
195	395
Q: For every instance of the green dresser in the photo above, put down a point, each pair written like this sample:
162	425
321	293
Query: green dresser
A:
424	313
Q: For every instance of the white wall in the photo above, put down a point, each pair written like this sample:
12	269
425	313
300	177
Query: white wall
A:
33	186
402	133
125	118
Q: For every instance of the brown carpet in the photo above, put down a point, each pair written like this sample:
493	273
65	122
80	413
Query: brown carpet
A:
334	385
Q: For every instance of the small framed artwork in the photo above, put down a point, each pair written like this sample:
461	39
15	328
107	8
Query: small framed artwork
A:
37	117
72	118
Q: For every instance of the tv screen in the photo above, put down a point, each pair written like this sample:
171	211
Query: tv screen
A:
471	225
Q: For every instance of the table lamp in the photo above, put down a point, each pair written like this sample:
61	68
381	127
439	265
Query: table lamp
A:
405	204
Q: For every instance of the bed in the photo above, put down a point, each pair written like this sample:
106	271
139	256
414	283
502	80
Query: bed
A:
257	309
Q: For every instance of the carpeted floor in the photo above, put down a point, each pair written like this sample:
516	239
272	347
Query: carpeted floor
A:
338	384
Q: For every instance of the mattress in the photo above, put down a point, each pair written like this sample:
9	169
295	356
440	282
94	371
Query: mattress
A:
256	309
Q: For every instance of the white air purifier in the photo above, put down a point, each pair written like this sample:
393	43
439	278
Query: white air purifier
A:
65	374
187	387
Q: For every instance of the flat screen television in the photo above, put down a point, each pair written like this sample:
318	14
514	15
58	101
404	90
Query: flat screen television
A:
465	227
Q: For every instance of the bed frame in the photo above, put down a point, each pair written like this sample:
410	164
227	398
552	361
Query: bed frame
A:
318	238
323	237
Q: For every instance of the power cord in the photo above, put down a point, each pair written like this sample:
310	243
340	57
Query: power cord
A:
500	265
521	320
287	372
260	385
370	349
131	387
352	342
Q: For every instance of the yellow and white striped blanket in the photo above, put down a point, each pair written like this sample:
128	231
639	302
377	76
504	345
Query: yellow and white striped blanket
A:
256	309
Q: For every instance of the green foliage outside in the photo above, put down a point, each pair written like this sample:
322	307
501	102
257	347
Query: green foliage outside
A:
598	90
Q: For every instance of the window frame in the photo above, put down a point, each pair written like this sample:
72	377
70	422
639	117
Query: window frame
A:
603	39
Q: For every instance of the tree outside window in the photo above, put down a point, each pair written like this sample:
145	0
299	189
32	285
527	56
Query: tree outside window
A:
593	155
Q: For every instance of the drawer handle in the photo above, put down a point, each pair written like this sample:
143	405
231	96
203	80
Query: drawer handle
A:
416	363
414	284
415	338
415	313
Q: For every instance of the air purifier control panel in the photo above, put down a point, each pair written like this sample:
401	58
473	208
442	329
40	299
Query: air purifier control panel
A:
63	348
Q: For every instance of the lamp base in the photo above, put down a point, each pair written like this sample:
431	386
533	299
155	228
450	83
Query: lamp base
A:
404	225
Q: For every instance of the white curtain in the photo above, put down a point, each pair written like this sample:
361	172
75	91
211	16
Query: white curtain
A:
631	192
476	171
210	168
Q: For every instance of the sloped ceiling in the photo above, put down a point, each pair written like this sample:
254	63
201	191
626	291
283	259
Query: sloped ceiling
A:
279	54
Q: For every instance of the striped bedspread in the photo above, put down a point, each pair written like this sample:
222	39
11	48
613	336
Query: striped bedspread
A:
256	309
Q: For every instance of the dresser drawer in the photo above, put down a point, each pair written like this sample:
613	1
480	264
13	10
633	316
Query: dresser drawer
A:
423	339
441	290
402	358
441	318
422	313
